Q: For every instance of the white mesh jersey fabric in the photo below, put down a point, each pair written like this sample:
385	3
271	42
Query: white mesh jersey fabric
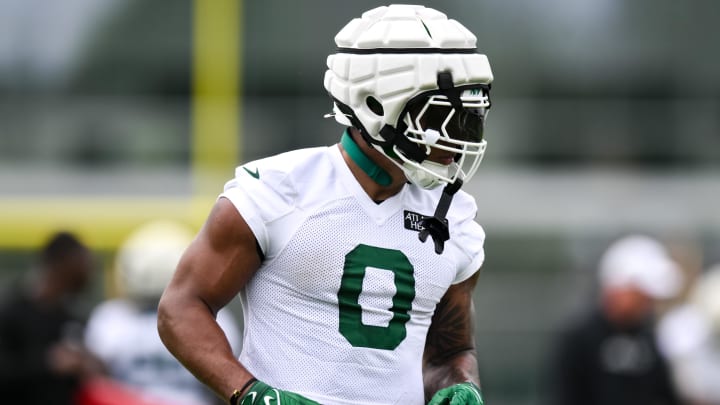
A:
340	308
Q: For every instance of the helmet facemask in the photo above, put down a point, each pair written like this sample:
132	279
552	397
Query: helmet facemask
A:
455	129
413	83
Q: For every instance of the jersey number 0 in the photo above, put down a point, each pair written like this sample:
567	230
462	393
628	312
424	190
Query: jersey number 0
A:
351	325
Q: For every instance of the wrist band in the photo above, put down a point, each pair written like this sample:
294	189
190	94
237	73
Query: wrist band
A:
238	393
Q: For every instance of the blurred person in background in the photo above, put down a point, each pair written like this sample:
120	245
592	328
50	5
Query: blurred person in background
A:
355	271
42	358
611	356
690	338
123	331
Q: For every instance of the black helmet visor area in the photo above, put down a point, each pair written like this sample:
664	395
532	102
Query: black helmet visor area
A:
433	110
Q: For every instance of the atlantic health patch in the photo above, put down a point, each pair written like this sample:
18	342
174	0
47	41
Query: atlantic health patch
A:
413	220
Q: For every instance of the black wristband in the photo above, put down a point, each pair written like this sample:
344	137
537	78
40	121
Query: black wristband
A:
235	397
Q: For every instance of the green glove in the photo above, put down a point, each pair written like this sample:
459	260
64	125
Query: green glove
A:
465	393
263	394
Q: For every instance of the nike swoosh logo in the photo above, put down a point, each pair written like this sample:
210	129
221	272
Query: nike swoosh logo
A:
269	398
255	174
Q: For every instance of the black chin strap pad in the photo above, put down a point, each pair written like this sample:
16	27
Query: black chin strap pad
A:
408	147
437	225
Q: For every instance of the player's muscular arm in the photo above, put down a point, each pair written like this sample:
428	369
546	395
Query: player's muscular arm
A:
450	356
217	264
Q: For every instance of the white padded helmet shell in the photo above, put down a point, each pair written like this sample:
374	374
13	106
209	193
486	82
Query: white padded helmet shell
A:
147	259
391	55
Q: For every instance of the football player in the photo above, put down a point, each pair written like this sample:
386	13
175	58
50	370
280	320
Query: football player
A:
355	263
122	331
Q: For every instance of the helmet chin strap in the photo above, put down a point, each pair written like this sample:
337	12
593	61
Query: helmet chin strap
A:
437	225
393	137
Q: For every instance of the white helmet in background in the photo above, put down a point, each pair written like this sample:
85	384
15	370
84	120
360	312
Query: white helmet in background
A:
410	79
641	262
147	259
705	295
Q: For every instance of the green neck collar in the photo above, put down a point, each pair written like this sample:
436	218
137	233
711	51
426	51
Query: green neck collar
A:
375	172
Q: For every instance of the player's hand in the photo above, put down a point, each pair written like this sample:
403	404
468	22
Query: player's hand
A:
263	394
465	393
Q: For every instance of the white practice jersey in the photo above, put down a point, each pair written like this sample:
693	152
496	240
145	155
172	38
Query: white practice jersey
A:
125	338
340	308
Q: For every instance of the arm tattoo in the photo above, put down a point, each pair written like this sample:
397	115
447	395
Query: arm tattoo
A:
451	330
450	356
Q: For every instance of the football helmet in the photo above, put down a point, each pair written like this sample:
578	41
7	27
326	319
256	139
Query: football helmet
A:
641	262
705	295
147	259
411	80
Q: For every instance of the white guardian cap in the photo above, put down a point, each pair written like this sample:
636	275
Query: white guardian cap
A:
410	79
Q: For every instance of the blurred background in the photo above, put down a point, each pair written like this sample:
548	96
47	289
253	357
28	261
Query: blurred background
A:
605	121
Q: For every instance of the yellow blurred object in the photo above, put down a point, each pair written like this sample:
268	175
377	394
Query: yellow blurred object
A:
216	86
104	222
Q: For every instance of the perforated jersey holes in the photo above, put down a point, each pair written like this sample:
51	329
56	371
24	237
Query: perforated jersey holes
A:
374	106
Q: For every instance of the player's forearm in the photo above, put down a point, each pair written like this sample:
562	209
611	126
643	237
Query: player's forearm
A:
188	329
450	355
455	369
